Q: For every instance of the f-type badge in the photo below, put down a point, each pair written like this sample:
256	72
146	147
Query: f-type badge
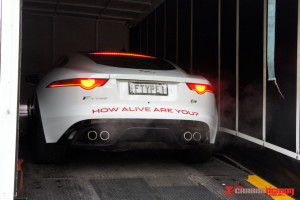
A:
94	98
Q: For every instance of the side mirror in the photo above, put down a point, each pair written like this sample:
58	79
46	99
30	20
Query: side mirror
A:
32	79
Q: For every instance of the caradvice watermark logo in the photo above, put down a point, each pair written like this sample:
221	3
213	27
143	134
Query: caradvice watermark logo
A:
236	188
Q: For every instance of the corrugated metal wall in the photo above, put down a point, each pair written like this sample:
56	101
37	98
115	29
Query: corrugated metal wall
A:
186	32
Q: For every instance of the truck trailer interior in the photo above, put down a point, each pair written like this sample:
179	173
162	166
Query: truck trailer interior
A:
247	49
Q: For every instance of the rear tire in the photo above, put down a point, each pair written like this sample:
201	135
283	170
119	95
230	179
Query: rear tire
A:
47	153
43	152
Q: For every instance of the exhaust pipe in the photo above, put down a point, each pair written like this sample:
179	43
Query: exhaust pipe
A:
187	136
197	136
104	135
92	135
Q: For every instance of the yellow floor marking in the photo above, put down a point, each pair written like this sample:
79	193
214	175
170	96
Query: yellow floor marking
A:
261	183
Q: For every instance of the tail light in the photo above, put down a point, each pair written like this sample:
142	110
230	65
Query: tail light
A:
85	83
200	88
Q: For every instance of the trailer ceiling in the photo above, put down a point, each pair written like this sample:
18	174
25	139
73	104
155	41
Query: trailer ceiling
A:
128	11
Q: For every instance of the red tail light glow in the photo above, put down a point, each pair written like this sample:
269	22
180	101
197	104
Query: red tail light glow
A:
200	88
122	54
85	83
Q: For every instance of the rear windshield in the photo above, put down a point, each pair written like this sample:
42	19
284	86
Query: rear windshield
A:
131	62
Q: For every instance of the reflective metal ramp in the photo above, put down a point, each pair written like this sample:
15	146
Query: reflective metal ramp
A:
89	175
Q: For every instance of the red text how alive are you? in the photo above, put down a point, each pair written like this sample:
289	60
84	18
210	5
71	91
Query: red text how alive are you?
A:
143	109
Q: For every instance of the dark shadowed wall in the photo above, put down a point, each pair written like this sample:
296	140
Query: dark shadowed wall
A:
186	32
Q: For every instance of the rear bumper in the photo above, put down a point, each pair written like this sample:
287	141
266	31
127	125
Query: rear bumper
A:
108	134
61	108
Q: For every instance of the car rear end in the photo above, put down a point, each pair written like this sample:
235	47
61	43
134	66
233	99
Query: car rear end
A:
118	101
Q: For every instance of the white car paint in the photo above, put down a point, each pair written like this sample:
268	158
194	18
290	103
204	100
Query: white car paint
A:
62	107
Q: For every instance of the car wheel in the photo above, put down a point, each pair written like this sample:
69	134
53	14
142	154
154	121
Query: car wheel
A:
44	152
47	153
195	155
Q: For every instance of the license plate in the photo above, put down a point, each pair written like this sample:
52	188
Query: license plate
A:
148	89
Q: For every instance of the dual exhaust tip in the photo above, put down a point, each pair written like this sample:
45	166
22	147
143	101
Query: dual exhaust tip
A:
188	136
93	135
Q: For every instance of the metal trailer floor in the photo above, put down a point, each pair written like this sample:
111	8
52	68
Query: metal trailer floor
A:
134	175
